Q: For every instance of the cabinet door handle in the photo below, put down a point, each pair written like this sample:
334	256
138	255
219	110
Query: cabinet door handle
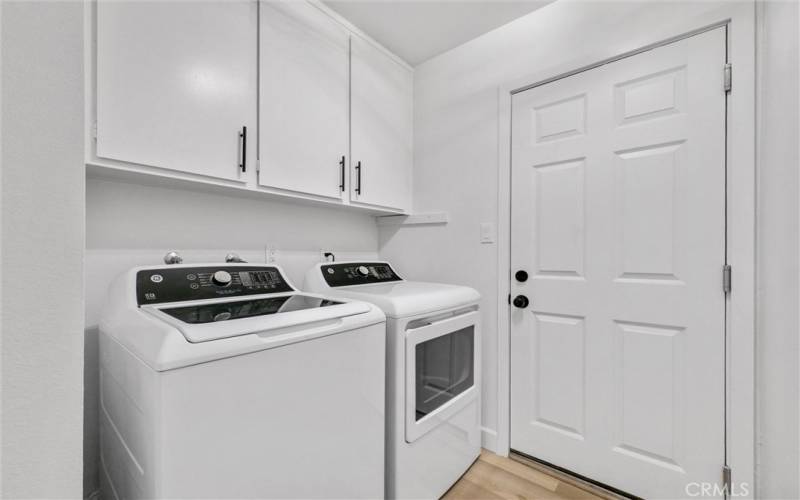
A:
358	178
243	138
341	177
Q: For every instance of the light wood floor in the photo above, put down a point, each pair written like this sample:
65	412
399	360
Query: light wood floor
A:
494	477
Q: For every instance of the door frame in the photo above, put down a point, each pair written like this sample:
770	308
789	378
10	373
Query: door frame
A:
739	20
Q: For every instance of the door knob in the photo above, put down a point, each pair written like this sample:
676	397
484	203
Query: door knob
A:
521	301
521	276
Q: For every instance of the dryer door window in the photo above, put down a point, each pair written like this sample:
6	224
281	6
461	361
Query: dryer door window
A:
445	368
442	375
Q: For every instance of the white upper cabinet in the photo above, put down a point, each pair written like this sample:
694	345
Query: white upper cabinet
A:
327	112
176	85
304	105
381	128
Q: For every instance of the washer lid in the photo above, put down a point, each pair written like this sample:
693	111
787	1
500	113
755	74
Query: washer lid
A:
402	299
203	321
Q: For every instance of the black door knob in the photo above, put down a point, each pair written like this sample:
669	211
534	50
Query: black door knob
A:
521	301
521	276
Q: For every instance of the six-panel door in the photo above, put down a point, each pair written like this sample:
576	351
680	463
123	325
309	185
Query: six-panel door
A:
176	85
618	216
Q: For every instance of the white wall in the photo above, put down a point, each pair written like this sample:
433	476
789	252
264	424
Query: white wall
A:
131	225
42	249
1	249
456	170
777	375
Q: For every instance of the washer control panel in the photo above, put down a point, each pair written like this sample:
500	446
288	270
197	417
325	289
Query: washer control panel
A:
358	273
178	284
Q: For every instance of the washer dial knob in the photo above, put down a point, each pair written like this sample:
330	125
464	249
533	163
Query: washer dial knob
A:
362	270
222	278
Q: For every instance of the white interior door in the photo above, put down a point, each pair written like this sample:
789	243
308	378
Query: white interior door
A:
305	92
618	217
176	85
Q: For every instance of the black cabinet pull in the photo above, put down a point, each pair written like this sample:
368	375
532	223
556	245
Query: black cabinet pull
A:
341	178
358	178
243	137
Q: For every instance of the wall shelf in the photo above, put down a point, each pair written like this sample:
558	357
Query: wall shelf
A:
413	219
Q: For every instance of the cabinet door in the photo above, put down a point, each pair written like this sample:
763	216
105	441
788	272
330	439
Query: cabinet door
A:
381	128
303	139
176	83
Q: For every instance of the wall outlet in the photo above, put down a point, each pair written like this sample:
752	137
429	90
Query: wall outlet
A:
323	257
487	232
271	254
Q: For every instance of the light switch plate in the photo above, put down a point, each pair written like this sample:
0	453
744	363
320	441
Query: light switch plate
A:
487	232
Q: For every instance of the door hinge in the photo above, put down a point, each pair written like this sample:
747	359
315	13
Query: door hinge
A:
726	278
726	479
726	77
258	166
509	299
94	130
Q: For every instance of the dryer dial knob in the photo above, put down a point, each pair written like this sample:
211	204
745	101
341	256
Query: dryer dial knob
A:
222	278
363	271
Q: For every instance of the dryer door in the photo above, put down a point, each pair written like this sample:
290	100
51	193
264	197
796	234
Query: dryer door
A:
442	371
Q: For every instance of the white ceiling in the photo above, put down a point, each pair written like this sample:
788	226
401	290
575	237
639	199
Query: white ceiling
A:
417	30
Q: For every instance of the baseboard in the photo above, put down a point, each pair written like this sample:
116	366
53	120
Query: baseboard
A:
489	439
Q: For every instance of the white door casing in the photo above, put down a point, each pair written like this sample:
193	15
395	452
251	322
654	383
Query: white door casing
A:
305	91
618	215
176	83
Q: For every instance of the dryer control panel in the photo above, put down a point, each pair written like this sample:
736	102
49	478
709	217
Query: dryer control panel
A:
358	273
178	284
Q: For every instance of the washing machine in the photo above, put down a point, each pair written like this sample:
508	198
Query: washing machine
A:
224	381
433	372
